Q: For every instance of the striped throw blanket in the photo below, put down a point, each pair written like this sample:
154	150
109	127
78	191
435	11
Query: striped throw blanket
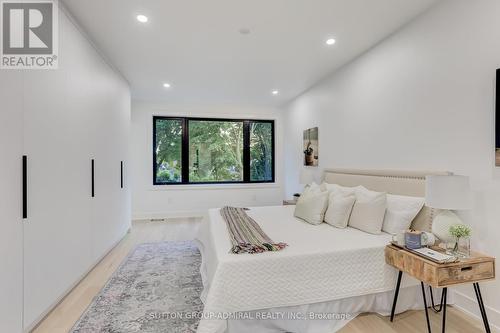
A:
246	235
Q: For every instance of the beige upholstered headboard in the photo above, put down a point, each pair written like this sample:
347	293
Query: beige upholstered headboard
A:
411	183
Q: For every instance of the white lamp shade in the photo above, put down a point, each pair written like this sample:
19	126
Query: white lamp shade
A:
306	176
448	192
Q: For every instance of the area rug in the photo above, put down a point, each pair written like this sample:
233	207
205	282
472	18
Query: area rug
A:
156	290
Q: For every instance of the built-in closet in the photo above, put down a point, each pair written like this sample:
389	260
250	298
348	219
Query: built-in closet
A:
72	126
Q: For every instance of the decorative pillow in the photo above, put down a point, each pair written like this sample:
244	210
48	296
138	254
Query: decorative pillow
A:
312	188
401	211
311	207
339	209
344	190
368	211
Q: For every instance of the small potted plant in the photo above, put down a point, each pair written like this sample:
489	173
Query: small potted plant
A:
461	232
308	154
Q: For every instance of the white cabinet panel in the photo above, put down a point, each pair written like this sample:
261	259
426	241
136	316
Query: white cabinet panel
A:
57	231
11	149
110	208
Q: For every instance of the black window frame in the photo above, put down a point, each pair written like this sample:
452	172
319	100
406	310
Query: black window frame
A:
185	150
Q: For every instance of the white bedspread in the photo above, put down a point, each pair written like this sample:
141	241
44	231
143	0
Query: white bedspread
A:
321	263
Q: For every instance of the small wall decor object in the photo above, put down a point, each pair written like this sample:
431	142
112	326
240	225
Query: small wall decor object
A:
311	156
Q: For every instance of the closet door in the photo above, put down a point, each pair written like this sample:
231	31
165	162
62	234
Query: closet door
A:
58	114
11	150
111	204
57	231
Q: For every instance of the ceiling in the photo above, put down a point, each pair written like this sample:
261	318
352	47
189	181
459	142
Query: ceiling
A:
197	47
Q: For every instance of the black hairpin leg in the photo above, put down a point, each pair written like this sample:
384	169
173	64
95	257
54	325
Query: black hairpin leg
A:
398	284
425	307
482	309
442	307
432	301
444	296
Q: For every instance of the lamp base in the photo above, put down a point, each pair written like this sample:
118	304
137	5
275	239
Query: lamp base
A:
442	223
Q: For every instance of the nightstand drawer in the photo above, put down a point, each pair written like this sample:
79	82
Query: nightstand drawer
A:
464	274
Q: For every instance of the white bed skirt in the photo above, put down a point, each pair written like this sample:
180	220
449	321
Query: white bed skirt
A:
336	314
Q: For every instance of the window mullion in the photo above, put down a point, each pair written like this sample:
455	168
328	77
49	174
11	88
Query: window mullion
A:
155	161
185	151
246	151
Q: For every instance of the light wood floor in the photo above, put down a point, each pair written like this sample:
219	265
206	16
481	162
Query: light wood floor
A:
63	317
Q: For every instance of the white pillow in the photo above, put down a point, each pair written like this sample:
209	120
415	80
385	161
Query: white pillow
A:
401	211
339	209
368	211
313	188
311	207
344	190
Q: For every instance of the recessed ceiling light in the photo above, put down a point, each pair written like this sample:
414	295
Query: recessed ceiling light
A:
275	92
330	41
166	85
244	31
142	18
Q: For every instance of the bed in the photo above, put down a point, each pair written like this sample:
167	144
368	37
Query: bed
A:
326	274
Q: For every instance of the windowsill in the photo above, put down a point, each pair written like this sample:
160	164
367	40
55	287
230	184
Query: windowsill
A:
214	187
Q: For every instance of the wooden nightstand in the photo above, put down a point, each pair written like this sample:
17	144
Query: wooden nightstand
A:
290	202
472	270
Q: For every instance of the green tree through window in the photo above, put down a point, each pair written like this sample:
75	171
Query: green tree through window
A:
261	151
194	151
168	147
215	151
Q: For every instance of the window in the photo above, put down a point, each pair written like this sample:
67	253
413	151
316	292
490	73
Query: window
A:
211	151
168	151
261	151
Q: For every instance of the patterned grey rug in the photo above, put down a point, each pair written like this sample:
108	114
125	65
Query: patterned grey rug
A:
156	290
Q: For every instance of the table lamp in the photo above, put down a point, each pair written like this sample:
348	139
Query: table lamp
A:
447	193
306	176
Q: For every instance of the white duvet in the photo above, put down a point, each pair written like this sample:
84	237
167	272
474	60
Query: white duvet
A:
321	263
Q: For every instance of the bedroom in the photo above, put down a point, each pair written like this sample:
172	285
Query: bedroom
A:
158	112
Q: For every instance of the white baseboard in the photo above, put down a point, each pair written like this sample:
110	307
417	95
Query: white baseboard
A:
40	318
471	307
168	215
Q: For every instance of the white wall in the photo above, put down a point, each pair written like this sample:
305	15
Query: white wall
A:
422	99
150	201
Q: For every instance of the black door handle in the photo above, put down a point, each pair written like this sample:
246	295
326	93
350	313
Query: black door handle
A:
121	174
25	187
93	179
